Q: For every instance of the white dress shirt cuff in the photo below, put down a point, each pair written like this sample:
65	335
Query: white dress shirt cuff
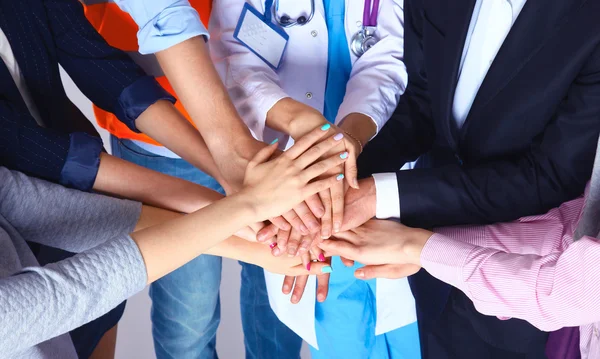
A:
387	196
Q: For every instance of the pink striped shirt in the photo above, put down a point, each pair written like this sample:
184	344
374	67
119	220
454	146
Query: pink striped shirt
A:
529	269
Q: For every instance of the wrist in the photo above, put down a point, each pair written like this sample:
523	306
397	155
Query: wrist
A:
369	195
293	118
414	244
359	126
246	205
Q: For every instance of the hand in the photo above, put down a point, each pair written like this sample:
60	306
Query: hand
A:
298	283
379	242
388	271
360	204
293	243
289	266
301	119
276	186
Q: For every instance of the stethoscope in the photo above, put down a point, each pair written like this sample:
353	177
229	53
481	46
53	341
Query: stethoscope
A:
362	41
365	38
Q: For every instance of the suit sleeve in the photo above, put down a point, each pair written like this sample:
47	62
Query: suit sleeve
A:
553	170
106	75
410	131
69	159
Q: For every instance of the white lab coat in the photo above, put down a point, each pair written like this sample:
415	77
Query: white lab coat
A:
377	80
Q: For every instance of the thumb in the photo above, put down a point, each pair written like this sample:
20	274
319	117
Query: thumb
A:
351	171
264	154
389	271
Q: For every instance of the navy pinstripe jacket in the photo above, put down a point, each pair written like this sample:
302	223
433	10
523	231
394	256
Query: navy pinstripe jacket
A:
42	35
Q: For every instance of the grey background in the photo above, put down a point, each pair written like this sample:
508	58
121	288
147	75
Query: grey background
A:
135	333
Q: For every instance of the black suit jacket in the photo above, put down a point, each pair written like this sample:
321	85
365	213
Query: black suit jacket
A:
528	142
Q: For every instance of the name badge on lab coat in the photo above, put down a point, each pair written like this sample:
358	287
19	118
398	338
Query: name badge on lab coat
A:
266	40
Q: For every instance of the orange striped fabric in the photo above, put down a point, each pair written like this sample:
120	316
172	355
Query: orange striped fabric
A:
119	30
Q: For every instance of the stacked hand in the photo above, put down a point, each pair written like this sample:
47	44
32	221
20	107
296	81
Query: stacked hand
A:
388	249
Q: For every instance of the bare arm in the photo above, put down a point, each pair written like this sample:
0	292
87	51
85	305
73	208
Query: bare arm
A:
127	180
191	72
164	123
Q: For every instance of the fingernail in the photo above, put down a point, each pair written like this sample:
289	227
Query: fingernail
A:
338	136
320	297
321	257
359	274
355	182
325	235
286	288
336	227
274	141
340	177
294	299
261	237
272	245
303	229
313	225
326	127
291	251
344	155
326	269
276	251
308	266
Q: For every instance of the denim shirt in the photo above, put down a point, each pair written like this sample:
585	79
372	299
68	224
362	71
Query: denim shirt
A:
163	23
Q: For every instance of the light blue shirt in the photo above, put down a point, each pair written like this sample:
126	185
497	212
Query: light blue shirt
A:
163	23
339	65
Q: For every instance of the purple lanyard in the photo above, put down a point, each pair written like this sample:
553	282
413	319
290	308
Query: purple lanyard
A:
370	16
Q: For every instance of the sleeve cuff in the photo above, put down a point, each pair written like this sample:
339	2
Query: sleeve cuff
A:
83	160
387	196
169	28
137	97
444	258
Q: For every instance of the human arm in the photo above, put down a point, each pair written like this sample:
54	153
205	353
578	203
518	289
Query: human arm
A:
410	131
112	81
119	267
528	269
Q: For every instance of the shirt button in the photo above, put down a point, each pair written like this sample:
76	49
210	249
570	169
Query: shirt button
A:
358	24
309	95
314	33
596	331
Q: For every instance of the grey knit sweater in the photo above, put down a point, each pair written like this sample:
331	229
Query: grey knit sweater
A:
38	305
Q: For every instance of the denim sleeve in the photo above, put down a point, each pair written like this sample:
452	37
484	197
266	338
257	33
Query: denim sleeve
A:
105	75
163	23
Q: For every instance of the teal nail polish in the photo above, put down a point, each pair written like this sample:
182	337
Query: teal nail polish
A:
340	177
274	141
327	269
326	127
344	155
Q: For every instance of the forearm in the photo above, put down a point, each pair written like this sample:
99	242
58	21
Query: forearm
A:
233	247
191	72
165	124
527	287
169	245
120	178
